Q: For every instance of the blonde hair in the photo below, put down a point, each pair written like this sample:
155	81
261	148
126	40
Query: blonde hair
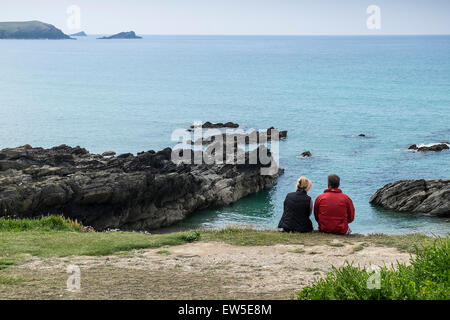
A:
304	184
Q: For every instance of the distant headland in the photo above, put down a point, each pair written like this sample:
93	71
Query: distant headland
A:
79	34
122	35
30	30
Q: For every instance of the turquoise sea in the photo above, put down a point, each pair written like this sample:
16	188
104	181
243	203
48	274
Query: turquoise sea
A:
129	95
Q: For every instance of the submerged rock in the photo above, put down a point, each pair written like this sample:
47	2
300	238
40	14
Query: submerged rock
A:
129	192
430	197
306	154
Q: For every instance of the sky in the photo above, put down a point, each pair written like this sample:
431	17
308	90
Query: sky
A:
236	17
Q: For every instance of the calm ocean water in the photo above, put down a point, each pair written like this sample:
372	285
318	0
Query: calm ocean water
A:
129	95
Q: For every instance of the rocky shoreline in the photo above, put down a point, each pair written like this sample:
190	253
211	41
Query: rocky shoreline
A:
426	197
141	192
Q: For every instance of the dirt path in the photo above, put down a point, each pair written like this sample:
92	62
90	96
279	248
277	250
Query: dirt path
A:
193	271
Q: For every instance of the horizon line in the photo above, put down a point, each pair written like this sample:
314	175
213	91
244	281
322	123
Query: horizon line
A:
275	35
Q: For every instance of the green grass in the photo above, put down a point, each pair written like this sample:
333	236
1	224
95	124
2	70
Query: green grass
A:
426	278
251	237
5	263
50	223
56	236
359	247
7	280
60	244
163	252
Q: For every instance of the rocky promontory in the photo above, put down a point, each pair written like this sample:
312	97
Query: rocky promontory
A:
427	197
129	192
30	30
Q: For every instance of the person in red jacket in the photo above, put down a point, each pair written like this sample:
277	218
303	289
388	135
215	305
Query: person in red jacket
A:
334	210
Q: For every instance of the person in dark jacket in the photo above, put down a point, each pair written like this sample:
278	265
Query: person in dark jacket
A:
298	207
333	209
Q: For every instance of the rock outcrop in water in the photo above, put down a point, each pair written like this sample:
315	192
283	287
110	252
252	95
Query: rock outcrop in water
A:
129	192
211	125
122	35
428	197
30	30
242	137
306	154
79	34
434	147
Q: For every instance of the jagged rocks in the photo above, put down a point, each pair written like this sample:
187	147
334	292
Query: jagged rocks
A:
430	197
434	147
129	192
211	125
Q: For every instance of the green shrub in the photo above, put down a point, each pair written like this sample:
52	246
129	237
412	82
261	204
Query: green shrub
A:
426	278
50	223
190	236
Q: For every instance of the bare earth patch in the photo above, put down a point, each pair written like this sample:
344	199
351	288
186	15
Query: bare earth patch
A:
201	270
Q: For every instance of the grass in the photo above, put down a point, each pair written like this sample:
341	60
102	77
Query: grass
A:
5	263
61	244
60	237
426	278
56	236
7	280
251	237
359	247
50	223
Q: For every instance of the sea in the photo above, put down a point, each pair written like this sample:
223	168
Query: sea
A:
130	95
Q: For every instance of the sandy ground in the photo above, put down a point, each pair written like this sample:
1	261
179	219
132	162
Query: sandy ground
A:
193	271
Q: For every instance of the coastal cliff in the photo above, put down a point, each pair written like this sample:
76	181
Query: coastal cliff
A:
30	30
427	197
142	192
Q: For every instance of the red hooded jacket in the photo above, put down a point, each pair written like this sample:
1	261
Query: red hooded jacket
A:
333	211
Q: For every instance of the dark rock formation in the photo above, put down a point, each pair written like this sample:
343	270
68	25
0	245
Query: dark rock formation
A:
306	154
79	34
282	133
241	137
430	197
435	147
30	30
210	125
108	153
129	192
122	35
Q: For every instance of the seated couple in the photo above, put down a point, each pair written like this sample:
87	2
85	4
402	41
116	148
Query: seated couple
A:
333	210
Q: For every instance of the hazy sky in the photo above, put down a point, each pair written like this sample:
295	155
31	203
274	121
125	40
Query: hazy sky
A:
236	16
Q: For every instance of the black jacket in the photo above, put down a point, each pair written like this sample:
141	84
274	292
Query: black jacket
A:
297	208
